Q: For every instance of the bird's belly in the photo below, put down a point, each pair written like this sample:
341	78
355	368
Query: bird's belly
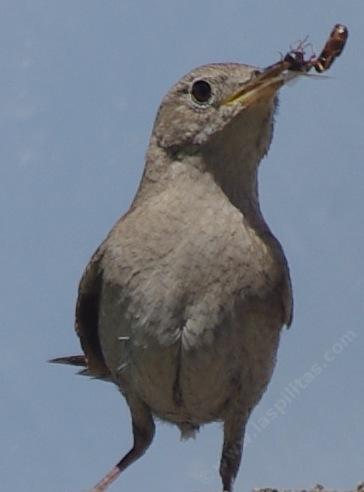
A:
191	366
200	384
181	387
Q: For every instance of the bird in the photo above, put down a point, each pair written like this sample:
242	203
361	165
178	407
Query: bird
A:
182	306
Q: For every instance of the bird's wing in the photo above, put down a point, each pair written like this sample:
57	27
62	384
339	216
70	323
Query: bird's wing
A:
87	316
86	322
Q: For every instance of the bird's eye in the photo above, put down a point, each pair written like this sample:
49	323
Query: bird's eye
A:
201	91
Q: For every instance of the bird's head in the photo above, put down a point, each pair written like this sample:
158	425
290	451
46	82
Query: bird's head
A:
217	119
214	101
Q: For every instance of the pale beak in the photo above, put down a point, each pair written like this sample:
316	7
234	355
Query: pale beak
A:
264	85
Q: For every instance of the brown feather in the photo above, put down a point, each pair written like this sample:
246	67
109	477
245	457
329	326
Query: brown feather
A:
87	317
73	360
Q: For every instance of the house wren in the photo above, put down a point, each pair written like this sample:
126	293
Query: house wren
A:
183	303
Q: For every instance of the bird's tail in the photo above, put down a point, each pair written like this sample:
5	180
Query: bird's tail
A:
80	361
72	360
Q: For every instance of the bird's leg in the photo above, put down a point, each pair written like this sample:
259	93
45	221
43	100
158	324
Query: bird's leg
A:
234	428
143	433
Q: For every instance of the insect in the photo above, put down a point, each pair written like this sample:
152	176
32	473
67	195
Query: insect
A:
295	61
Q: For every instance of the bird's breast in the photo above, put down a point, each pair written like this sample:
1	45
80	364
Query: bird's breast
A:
193	326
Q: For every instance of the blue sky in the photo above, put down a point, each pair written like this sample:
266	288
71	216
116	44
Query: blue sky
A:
80	83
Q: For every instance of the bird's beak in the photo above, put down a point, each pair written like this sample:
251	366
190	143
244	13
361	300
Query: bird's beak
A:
262	86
